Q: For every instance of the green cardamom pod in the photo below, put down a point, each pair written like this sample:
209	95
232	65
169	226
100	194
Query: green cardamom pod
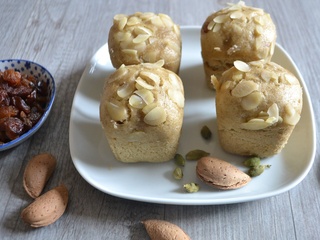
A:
252	162
179	160
177	173
206	133
257	170
196	154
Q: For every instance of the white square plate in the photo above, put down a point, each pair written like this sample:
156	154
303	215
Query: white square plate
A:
153	182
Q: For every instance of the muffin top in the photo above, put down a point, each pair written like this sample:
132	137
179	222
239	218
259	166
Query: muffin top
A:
145	38
238	32
257	95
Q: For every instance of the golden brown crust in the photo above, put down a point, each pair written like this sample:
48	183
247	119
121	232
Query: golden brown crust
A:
236	33
141	112
258	109
145	38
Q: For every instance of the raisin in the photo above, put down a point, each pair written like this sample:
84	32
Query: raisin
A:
8	111
14	128
12	77
34	115
20	104
4	98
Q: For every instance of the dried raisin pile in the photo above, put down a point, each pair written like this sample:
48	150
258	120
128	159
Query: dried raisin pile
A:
23	99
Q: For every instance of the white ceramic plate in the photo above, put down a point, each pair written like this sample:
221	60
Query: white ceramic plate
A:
149	182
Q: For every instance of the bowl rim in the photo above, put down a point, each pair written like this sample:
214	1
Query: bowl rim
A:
45	114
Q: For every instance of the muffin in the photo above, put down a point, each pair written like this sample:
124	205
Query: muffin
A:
236	33
141	112
258	105
145	38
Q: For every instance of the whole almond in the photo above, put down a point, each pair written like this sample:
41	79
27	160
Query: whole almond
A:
221	174
37	173
163	230
47	208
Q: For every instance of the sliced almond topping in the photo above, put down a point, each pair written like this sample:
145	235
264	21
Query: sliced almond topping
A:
142	30
156	116
145	95
241	66
119	73
251	101
227	85
271	120
255	124
125	90
140	38
266	75
177	97
176	29
173	45
235	7
258	30
140	47
117	111
166	20
217	49
259	19
216	27
149	107
143	84
151	56
211	25
123	36
220	19
156	20
244	88
150	77
133	21
258	43
174	81
131	54
237	76
290	78
136	101
122	23
236	15
291	116
273	111
147	15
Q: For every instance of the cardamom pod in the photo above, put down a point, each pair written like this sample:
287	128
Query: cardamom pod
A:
179	160
196	154
177	173
206	132
252	162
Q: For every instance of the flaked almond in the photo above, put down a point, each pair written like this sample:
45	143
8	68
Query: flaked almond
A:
291	116
163	230
251	101
221	174
156	116
256	124
125	90
116	110
37	172
47	208
177	97
241	66
244	88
